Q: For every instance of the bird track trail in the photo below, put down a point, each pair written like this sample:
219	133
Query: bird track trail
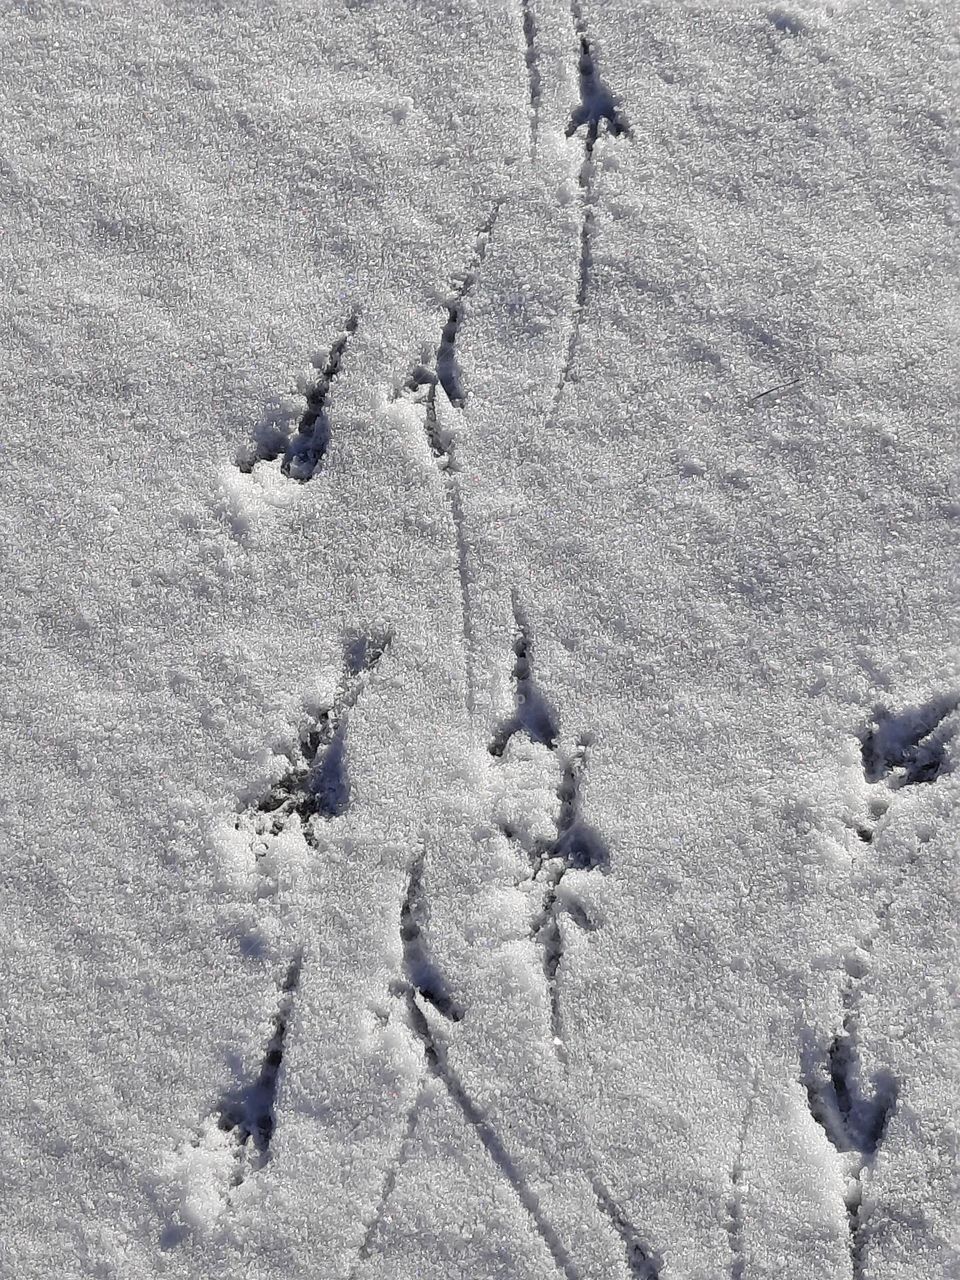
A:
422	384
423	985
435	1057
898	750
576	846
598	108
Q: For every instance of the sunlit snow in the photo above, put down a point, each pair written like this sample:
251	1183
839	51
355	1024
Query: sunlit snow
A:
481	666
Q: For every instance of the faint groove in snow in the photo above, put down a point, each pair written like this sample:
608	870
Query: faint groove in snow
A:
532	59
249	1113
302	450
466	585
389	1183
598	107
422	384
533	714
584	264
640	1261
735	1214
317	783
435	1057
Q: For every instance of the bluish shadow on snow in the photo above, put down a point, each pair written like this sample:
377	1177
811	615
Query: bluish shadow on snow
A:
327	785
853	1118
303	450
249	1111
911	746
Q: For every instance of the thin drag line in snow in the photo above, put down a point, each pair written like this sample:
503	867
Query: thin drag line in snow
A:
437	1063
389	1183
735	1214
446	376
531	57
576	846
777	391
580	301
466	600
640	1262
597	108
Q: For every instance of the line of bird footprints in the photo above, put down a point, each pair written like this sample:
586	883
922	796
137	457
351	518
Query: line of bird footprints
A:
315	789
898	750
297	428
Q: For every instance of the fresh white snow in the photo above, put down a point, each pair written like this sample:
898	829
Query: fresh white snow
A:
481	661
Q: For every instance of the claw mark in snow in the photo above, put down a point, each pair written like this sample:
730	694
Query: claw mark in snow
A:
317	785
422	384
421	973
905	749
303	450
597	107
597	103
249	1114
853	1122
533	714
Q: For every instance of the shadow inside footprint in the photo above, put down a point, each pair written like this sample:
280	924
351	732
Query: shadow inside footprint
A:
908	747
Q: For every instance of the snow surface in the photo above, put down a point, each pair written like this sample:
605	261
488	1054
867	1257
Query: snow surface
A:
481	660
